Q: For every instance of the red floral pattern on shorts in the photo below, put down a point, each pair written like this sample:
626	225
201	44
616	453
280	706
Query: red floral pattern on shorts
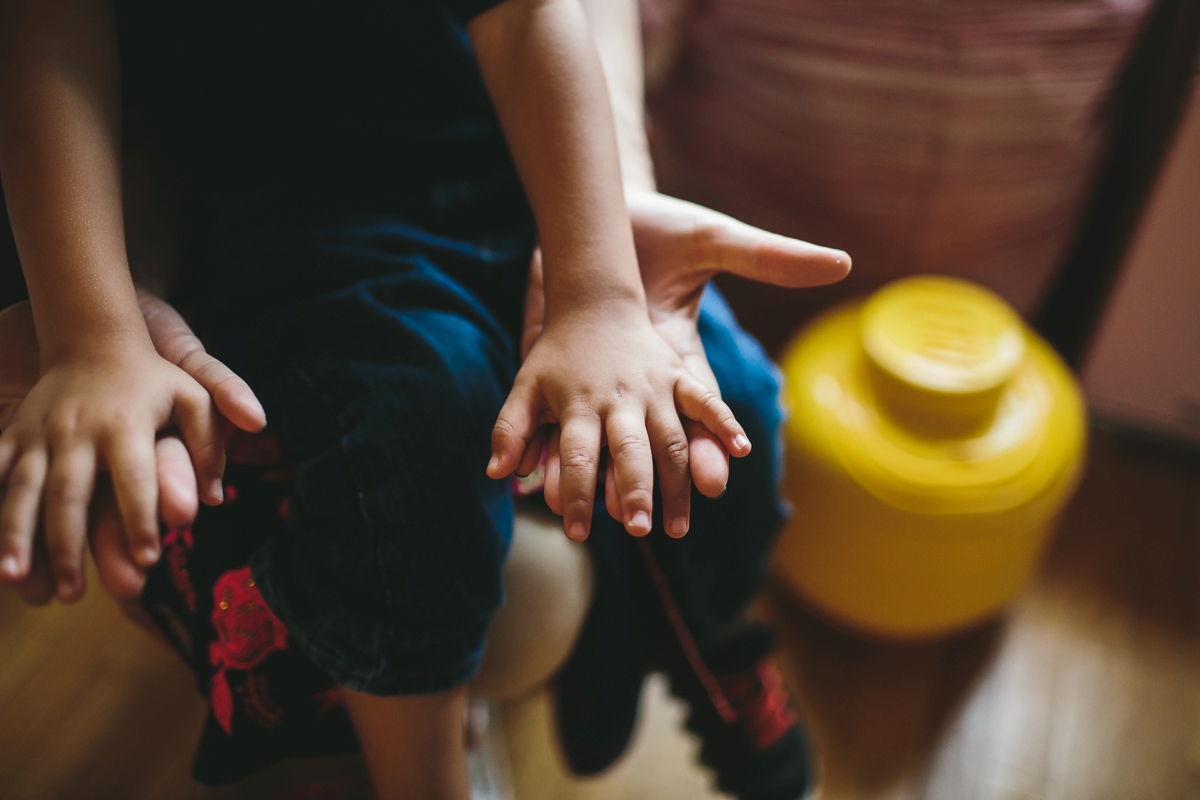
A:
247	632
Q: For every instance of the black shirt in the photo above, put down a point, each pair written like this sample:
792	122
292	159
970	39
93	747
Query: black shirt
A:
271	111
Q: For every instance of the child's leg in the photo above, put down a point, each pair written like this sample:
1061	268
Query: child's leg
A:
385	393
413	745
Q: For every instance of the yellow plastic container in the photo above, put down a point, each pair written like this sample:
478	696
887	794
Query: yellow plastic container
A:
932	441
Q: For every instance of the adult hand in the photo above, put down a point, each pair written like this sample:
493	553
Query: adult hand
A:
178	499
680	247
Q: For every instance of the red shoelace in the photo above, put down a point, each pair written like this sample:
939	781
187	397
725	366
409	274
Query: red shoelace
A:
754	698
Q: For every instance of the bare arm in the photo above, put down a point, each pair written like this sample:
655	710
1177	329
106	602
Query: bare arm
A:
103	392
59	132
545	79
680	245
599	369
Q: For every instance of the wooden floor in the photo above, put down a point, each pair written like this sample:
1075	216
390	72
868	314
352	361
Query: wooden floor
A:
1091	689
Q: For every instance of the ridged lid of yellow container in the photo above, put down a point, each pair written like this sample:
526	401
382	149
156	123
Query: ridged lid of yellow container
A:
935	397
942	336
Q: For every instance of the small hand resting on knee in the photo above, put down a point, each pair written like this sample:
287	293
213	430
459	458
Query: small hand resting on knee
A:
121	574
680	247
103	393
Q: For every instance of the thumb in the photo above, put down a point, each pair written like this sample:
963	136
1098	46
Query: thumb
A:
175	342
758	255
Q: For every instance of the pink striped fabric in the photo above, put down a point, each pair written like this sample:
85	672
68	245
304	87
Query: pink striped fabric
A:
953	136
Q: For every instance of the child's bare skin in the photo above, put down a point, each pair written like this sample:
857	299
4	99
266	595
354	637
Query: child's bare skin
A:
103	393
120	575
681	246
599	370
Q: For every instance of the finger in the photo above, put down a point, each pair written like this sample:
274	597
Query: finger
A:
119	576
233	396
700	403
69	482
176	343
515	426
633	466
553	490
579	452
37	588
612	499
707	460
729	245
196	416
134	477
18	515
533	454
671	455
177	499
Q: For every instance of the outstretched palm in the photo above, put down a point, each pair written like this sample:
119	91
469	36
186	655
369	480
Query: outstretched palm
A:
680	247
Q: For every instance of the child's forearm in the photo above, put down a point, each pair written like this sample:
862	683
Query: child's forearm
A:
541	68
59	160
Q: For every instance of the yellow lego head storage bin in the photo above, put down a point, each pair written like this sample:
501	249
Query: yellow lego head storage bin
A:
932	441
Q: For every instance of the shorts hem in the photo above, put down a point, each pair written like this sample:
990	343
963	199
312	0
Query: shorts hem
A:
377	680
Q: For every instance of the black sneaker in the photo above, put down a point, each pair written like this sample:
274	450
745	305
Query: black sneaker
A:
737	704
749	733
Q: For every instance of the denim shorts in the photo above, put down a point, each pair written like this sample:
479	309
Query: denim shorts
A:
382	355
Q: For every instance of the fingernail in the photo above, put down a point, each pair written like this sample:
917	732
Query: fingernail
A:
65	591
679	526
740	441
724	489
493	463
639	524
577	532
10	567
147	555
217	490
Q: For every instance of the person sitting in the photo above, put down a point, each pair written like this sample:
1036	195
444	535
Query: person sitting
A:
356	282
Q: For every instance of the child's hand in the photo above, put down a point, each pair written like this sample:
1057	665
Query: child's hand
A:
605	375
99	409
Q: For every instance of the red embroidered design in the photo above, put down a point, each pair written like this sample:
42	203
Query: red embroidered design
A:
176	543
247	632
